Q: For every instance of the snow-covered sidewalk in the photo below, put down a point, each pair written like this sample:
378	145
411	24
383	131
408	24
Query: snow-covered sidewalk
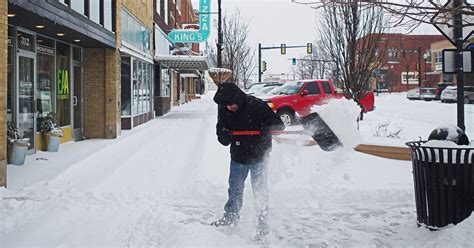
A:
161	183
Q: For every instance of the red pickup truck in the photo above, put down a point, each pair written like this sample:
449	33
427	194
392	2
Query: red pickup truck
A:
295	99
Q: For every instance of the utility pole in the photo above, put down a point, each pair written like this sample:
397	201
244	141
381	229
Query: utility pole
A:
419	66
458	37
219	35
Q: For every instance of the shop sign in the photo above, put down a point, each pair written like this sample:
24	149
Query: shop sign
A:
63	84
412	77
195	36
145	40
25	41
45	50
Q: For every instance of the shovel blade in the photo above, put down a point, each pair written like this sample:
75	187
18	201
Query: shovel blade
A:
319	130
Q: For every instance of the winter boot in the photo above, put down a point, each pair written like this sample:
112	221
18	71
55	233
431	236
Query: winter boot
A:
229	219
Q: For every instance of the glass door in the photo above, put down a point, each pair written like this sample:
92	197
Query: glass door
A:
26	103
77	104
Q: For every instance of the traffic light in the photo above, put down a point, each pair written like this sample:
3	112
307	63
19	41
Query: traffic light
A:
293	61
264	66
283	49
309	48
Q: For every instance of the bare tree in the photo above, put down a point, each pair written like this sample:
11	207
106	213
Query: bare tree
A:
351	34
310	66
408	13
237	54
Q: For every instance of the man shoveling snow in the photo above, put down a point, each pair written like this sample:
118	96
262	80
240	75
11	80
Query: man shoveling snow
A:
236	112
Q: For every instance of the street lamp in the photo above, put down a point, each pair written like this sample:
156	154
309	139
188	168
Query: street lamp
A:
219	35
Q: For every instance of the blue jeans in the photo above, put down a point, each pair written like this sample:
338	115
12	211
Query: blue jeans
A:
237	176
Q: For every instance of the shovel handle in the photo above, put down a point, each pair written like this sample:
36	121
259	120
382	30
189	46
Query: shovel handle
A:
271	132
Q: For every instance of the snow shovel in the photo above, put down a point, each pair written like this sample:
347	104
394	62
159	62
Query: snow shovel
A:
315	127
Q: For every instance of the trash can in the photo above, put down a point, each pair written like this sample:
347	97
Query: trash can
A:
444	184
17	151
53	141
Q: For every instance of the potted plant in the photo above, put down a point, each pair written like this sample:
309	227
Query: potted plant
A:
16	147
49	126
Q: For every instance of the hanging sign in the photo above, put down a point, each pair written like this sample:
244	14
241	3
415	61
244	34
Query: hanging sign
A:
195	36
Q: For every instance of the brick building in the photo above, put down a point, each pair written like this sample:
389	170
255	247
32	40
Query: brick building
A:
178	68
399	62
135	35
100	65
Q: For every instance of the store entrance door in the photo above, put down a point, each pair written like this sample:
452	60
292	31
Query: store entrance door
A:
26	103
78	130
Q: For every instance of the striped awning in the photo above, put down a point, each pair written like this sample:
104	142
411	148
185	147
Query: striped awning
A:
183	62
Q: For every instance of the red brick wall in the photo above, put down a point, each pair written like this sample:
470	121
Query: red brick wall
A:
409	43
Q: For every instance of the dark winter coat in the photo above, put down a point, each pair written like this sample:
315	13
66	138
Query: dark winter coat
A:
253	114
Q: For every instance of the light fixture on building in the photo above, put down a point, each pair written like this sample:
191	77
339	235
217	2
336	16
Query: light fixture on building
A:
39	26
77	40
60	34
11	15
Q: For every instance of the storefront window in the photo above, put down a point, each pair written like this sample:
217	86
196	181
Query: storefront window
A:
77	54
11	74
94	10
135	87
134	32
78	6
63	92
45	77
165	83
108	14
125	86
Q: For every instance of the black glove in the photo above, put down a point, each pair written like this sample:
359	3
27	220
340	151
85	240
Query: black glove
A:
224	136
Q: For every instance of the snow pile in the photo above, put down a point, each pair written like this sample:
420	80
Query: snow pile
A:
450	133
460	235
446	144
341	116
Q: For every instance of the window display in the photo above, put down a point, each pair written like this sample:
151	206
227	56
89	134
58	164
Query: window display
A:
165	82
45	77
63	109
125	87
137	76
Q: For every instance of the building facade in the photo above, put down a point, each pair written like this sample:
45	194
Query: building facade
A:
178	67
405	62
136	62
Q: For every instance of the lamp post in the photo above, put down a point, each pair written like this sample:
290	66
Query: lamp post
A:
425	58
219	34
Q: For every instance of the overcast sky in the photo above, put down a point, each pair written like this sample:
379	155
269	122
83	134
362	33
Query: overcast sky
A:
273	22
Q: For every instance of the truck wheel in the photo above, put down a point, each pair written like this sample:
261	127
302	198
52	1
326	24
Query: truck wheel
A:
287	117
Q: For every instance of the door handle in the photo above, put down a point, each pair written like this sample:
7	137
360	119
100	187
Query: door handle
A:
74	101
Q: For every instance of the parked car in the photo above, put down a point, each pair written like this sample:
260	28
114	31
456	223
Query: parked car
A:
266	89
295	99
440	87
414	94
428	94
258	85
451	92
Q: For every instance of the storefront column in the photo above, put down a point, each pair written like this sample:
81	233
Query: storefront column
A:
3	91
112	93
101	93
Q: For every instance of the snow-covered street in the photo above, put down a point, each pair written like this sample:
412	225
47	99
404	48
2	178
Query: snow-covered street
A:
160	185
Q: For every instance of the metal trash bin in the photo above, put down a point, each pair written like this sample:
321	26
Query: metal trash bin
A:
444	184
53	141
17	151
